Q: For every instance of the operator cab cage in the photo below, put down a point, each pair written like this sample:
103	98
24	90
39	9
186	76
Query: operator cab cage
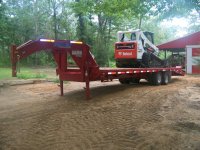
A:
150	36
133	35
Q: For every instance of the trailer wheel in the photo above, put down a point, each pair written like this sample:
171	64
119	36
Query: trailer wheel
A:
170	76
149	78
135	80
156	78
124	81
165	78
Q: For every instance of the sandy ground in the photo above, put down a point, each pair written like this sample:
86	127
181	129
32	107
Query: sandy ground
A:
119	117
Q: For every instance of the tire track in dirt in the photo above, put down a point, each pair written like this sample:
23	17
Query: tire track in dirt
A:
45	128
124	118
181	115
122	122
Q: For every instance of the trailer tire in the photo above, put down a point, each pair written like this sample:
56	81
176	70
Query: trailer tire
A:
165	78
124	81
135	80
156	78
149	78
170	76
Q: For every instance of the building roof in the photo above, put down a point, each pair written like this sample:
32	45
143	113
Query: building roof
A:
181	43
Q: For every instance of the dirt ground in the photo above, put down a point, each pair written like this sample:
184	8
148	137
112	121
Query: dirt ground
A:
119	117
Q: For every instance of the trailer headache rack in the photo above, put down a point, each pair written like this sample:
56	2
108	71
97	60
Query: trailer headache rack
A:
86	69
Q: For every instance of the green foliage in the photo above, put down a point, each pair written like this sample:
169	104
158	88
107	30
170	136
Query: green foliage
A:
95	22
29	73
5	73
112	64
26	73
177	8
30	76
160	34
161	54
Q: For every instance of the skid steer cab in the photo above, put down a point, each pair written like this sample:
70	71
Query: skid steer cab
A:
131	46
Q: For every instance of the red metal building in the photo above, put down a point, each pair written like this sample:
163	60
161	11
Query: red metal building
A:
189	44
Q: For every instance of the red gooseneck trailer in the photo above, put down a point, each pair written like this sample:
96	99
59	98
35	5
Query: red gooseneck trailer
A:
87	69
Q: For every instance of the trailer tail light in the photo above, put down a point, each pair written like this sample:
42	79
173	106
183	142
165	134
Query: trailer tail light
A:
110	73
47	40
121	72
76	42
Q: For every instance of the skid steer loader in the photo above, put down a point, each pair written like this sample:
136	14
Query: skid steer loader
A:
136	49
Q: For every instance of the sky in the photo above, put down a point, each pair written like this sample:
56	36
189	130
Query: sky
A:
180	24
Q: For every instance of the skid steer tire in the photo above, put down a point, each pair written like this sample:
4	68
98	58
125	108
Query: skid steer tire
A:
165	78
145	59
156	78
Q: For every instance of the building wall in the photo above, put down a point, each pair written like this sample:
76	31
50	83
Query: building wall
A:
192	57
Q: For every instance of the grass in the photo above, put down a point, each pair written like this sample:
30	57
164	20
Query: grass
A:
26	73
30	75
5	73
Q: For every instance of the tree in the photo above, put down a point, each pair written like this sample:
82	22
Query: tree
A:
142	9
102	19
25	20
4	32
95	22
177	8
